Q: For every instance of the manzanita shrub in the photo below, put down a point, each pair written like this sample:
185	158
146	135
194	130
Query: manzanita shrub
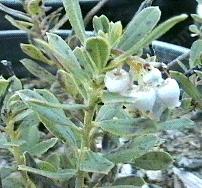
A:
113	95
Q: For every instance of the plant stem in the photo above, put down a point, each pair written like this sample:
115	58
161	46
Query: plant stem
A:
88	118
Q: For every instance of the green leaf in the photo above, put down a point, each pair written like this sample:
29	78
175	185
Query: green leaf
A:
64	174
176	124
120	186
38	70
3	86
22	25
3	140
95	162
99	50
73	12
54	119
108	98
55	115
196	54
129	151
15	13
67	83
186	85
139	27
13	180
35	53
115	33
109	111
44	165
85	60
153	35
63	52
154	160
65	56
30	134
130	180
39	181
54	159
42	147
101	24
127	127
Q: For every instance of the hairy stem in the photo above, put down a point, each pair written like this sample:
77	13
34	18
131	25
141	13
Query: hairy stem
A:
88	118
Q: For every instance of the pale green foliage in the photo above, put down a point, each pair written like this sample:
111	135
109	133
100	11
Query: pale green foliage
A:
69	150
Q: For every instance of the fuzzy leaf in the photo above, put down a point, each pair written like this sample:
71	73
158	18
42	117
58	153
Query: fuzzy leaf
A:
59	175
127	127
65	56
85	60
176	124
108	98
130	180
154	160
38	70
101	24
115	33
15	13
42	147
30	134
13	180
95	162
196	54
99	50
3	141
22	25
153	35
35	53
73	12
3	86
109	111
54	159
186	85
129	151
54	119
44	165
140	25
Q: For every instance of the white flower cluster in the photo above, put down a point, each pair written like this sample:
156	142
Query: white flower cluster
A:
152	94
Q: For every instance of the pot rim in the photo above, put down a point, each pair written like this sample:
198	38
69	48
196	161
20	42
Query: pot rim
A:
161	44
48	2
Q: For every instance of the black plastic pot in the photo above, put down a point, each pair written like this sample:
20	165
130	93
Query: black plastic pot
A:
124	10
10	50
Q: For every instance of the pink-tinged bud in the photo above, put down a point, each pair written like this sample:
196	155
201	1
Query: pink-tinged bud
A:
169	93
117	80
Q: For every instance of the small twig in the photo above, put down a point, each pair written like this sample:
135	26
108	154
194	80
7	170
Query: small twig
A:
180	58
61	22
93	11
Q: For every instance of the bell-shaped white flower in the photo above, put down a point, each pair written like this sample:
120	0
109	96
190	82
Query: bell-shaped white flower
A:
169	93
117	80
144	98
152	76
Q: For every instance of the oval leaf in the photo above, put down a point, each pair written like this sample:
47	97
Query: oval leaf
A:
154	160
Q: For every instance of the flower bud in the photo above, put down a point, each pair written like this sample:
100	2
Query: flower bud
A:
117	80
169	93
152	77
144	98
